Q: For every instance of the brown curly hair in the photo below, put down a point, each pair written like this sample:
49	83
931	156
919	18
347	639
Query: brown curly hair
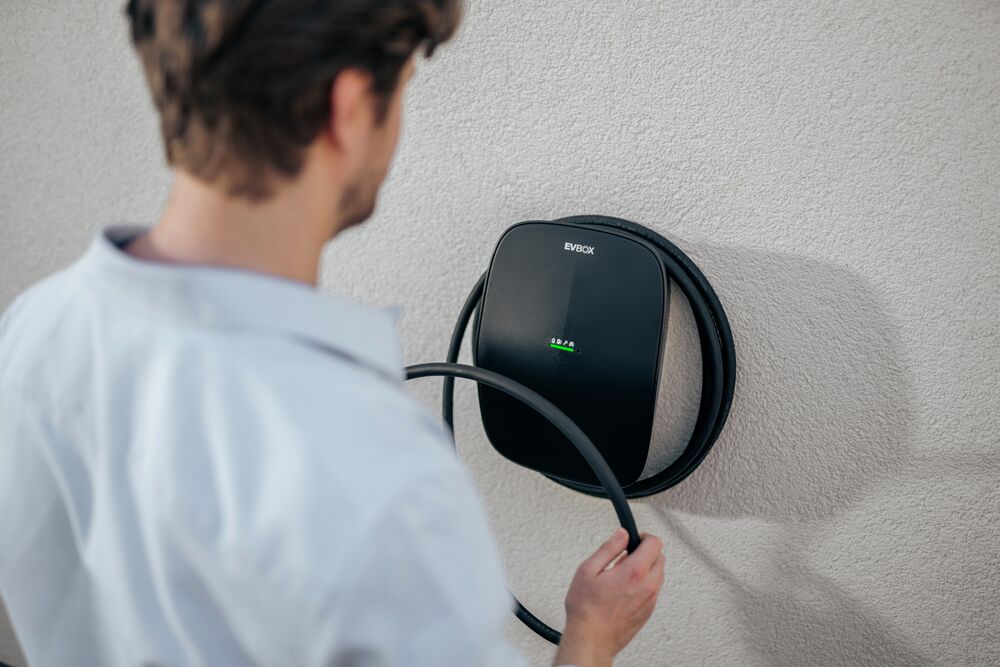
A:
242	86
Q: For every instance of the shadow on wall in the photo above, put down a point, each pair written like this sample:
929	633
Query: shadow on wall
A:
822	413
803	618
822	406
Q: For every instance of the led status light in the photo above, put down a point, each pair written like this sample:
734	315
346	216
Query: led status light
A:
564	345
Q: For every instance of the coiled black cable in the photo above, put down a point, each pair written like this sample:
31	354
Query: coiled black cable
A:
568	428
718	353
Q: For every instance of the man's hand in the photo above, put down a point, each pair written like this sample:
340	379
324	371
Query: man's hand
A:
609	600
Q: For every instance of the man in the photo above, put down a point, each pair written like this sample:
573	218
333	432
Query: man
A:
206	461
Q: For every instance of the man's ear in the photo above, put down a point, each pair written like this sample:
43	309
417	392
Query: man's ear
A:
352	110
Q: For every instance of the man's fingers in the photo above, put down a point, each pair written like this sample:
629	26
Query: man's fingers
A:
652	582
658	573
657	563
646	553
607	552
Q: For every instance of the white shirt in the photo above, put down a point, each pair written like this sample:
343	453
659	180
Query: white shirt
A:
207	466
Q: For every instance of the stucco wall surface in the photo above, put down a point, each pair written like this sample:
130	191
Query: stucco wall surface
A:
834	167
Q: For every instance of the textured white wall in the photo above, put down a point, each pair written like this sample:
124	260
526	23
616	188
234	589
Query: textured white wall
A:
835	170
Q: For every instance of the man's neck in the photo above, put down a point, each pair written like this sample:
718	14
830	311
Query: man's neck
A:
283	236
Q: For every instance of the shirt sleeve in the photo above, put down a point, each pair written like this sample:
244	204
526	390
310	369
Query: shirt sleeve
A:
425	589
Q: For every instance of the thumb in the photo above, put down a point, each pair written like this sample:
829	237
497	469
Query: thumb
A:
607	552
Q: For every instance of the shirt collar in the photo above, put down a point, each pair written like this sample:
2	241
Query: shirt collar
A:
245	300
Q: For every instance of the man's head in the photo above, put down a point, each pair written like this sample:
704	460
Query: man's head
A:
249	91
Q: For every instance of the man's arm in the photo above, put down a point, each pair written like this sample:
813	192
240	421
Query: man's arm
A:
609	600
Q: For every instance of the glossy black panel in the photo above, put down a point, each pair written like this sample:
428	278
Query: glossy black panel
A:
601	294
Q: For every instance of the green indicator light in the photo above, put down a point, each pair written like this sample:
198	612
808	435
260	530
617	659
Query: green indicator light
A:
562	347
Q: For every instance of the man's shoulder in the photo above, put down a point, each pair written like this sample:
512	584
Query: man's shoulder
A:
288	426
35	319
38	297
294	456
329	404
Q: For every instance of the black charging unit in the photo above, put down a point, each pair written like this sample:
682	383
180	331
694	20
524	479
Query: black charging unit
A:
579	315
570	323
